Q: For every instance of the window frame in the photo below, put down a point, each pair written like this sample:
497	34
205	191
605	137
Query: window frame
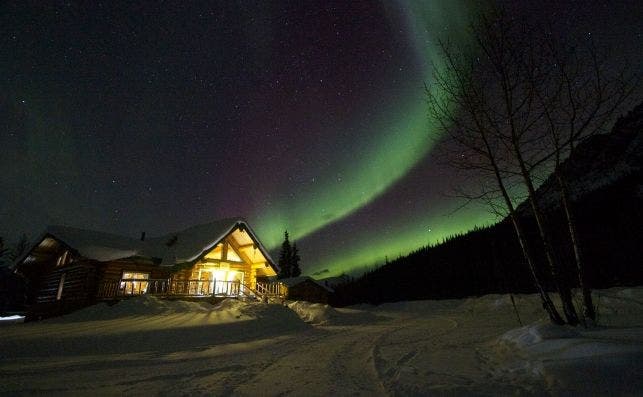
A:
134	286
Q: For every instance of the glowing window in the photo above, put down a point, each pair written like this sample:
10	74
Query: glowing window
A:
134	283
226	282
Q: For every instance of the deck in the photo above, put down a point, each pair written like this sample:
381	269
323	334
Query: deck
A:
116	289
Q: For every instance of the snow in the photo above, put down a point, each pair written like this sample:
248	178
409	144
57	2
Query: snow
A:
147	345
586	361
192	242
12	319
188	244
95	245
322	314
593	361
531	335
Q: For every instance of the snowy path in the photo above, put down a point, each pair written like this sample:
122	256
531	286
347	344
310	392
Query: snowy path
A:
406	348
324	362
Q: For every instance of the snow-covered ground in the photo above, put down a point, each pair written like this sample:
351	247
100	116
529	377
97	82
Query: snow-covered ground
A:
451	347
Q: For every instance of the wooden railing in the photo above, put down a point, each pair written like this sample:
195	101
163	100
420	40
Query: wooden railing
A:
128	287
273	289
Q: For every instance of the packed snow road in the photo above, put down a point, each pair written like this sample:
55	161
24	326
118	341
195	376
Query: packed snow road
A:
458	347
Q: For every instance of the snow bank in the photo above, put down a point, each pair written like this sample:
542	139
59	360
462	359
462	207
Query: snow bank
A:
321	314
147	324
575	360
527	305
420	306
12	319
143	305
226	311
529	337
616	304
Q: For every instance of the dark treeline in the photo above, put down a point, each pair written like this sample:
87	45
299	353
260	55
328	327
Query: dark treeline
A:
489	260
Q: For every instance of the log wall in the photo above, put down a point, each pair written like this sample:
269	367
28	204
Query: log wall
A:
78	289
114	270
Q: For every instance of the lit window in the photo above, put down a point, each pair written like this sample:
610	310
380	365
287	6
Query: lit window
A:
63	259
134	283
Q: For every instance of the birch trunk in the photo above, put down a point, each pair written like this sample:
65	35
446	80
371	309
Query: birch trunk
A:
588	304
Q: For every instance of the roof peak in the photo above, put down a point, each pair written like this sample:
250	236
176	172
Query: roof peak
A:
230	221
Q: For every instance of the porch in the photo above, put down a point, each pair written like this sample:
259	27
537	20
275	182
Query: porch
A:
116	289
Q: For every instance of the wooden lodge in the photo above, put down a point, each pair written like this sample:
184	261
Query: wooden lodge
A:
70	268
304	288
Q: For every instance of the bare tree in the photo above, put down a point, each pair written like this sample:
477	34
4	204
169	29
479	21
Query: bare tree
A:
504	45
579	97
459	103
518	102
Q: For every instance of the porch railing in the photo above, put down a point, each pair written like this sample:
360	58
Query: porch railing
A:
270	289
128	287
113	288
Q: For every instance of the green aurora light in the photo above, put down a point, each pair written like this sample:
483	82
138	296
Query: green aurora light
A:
375	170
404	137
400	239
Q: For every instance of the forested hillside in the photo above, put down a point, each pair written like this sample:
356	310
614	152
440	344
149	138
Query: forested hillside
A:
606	186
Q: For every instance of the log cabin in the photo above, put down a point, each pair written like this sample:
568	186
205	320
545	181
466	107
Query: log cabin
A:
304	288
69	268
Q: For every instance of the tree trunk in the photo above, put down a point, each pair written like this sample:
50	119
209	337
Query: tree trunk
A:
561	285
588	305
564	291
547	303
505	287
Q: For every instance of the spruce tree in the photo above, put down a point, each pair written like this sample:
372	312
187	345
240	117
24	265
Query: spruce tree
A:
294	261
285	258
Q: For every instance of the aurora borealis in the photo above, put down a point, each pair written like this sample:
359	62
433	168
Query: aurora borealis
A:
399	136
306	116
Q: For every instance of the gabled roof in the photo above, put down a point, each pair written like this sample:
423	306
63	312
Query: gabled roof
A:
180	247
189	244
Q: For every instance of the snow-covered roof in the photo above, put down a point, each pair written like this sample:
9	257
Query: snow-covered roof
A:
179	247
189	244
95	245
292	281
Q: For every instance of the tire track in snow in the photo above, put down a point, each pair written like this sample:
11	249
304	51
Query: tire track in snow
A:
390	369
336	361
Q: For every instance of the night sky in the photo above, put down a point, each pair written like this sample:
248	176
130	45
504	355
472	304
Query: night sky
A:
305	116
